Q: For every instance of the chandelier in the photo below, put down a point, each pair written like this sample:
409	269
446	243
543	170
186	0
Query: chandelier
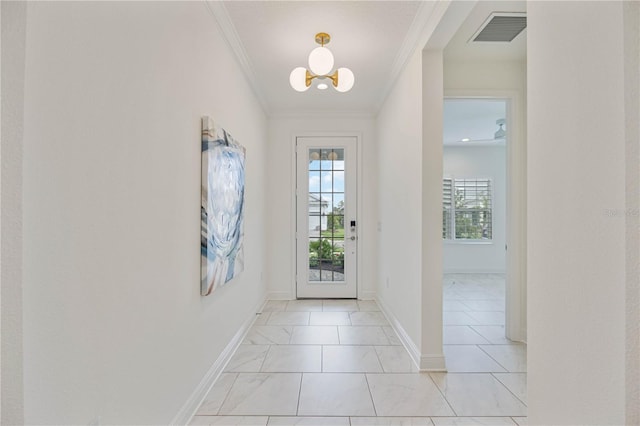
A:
320	66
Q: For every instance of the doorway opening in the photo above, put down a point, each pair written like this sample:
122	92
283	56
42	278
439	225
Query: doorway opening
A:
474	226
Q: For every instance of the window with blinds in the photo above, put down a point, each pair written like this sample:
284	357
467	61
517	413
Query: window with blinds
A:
466	209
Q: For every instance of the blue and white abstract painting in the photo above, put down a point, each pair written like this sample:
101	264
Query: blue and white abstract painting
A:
222	209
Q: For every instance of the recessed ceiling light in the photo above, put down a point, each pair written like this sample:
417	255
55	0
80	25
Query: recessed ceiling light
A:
322	86
466	140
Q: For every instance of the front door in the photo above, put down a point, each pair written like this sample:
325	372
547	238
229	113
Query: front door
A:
327	224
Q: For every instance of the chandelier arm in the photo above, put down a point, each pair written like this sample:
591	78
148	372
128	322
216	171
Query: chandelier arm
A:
334	78
308	78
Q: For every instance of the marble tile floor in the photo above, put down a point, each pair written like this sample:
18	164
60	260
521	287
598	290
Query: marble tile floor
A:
339	362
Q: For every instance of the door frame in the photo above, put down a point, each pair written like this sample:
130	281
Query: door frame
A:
516	239
362	239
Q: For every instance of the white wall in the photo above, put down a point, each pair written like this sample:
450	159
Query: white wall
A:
476	77
281	221
399	134
632	169
478	162
431	354
114	324
13	57
576	213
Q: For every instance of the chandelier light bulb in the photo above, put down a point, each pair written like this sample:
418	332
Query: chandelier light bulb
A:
320	61
345	80
297	79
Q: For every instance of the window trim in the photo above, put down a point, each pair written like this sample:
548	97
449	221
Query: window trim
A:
454	240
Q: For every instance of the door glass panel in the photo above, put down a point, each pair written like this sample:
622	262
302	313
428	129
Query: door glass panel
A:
326	215
338	181
326	182
314	181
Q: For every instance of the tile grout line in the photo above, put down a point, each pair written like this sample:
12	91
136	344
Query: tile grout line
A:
464	304
515	421
226	394
373	403
443	395
375	349
510	391
506	370
264	359
483	336
473	330
299	394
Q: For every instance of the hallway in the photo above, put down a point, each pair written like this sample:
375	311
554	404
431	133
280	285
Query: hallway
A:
339	362
103	317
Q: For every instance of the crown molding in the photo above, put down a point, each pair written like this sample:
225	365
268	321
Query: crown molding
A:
221	16
422	27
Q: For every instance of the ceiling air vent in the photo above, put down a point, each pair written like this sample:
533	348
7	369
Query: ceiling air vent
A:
502	27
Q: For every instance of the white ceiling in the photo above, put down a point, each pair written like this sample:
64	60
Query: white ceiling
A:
366	36
473	119
373	38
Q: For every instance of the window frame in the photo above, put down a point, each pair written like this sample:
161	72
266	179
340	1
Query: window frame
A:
452	212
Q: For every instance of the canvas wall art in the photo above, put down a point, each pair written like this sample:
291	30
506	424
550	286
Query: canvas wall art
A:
222	208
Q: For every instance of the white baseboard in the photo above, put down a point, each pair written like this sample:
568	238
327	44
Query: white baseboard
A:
426	362
190	407
474	271
519	336
434	362
279	295
407	342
